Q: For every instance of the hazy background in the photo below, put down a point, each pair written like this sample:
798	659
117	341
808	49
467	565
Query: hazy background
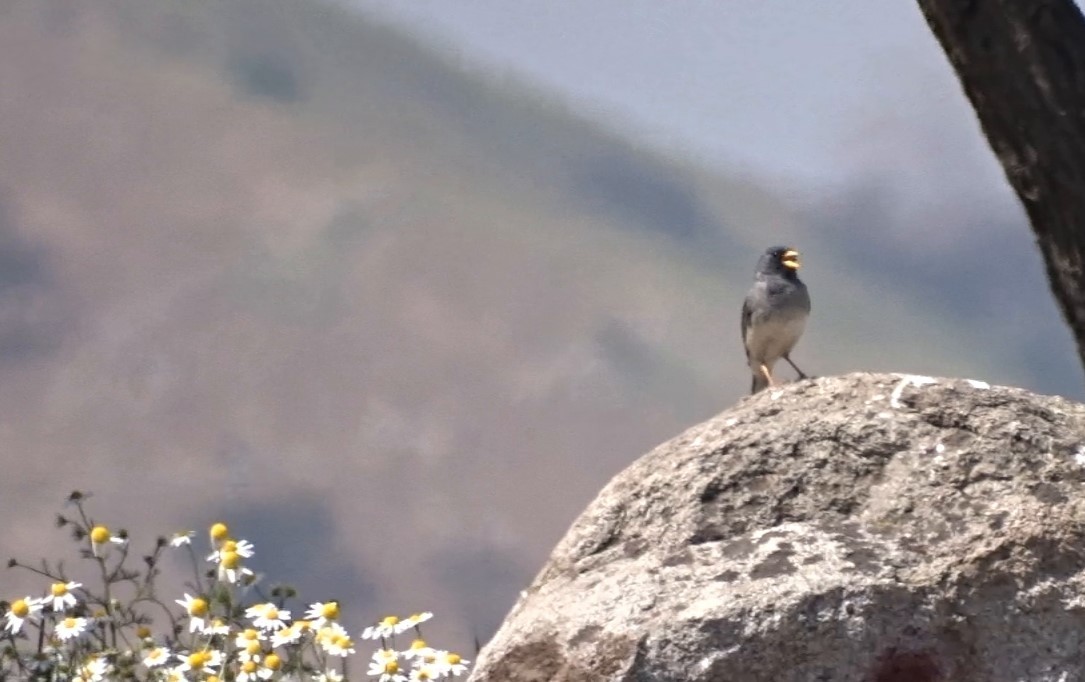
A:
395	286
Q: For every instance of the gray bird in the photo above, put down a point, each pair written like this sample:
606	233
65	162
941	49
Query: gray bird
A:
774	314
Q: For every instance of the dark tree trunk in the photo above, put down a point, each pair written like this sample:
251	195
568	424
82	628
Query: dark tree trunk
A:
1022	65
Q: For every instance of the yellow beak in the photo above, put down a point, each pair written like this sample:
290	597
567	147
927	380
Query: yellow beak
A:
790	259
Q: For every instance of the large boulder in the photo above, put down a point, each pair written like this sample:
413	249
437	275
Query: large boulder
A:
875	528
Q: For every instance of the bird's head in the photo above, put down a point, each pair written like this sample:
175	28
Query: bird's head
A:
779	260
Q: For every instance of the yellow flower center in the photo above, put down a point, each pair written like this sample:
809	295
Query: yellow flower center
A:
198	607
273	662
391	667
231	560
390	621
99	534
453	659
248	667
219	531
59	589
229	546
253	647
143	632
198	659
250	634
330	610
271	613
340	640
418	644
212	678
20	609
69	623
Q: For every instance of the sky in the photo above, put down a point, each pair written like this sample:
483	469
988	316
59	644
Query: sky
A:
822	102
757	86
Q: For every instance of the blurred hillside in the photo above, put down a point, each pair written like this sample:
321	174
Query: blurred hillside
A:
397	321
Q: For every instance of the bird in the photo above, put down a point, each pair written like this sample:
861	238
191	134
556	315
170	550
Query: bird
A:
774	314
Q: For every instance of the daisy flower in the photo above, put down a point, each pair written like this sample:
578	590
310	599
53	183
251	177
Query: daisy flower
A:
94	669
253	650
425	674
247	671
101	538
333	638
322	612
385	667
248	635
156	657
68	628
290	634
219	533
272	663
175	675
19	611
449	663
413	621
328	676
242	548
182	538
215	627
385	655
205	660
231	570
61	595
388	626
197	609
267	616
419	649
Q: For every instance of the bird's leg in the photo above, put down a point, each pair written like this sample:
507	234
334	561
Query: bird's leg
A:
802	374
768	375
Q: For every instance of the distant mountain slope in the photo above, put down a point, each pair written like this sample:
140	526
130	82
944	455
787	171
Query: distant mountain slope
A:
267	261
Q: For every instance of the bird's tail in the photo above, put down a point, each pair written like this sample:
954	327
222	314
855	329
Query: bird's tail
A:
759	383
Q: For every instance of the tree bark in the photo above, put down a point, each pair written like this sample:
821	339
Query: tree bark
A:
1022	65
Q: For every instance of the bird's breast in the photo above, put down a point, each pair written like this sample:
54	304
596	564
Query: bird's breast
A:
771	337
